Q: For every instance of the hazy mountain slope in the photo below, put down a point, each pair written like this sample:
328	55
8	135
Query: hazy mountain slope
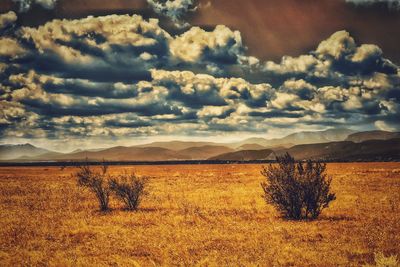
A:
250	147
347	150
330	135
121	153
244	155
372	135
318	151
179	145
50	156
204	152
254	140
9	152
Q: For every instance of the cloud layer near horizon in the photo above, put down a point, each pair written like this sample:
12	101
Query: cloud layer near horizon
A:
123	76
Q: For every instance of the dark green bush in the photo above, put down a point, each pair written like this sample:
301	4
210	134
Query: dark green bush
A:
298	190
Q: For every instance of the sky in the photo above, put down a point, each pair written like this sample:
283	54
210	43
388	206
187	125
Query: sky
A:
85	74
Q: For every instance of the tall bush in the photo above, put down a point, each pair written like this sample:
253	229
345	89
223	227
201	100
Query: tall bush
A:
298	190
97	182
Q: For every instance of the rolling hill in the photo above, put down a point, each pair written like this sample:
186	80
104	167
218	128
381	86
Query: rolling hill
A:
204	152
371	150
122	153
372	135
244	155
250	147
179	145
330	135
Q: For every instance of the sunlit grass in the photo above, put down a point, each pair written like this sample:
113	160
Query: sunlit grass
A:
205	215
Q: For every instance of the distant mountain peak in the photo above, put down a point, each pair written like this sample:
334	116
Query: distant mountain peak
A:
10	152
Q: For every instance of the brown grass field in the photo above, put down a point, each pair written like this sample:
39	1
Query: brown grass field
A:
195	215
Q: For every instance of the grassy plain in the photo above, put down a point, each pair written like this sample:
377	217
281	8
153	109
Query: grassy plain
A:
195	215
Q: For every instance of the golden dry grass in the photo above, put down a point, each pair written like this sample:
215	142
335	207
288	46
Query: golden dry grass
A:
198	215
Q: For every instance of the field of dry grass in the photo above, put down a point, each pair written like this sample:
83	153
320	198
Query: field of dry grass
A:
198	215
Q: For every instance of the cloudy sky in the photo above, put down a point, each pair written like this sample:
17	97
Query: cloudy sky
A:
100	73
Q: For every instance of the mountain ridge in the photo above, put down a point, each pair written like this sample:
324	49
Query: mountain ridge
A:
244	155
248	149
372	135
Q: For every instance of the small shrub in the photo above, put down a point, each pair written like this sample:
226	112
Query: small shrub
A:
297	190
382	261
97	182
129	189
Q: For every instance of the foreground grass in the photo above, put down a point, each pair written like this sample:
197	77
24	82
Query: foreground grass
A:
200	215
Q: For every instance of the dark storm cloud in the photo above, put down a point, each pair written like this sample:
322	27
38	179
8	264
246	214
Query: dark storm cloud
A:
89	88
98	70
81	109
194	99
389	3
276	114
126	124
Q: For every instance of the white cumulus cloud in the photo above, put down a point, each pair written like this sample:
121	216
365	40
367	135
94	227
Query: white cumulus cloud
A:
25	5
7	19
174	9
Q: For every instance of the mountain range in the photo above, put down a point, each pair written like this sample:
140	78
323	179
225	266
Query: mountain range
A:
333	144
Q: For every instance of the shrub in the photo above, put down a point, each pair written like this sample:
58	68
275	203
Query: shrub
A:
382	261
129	189
298	190
95	182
